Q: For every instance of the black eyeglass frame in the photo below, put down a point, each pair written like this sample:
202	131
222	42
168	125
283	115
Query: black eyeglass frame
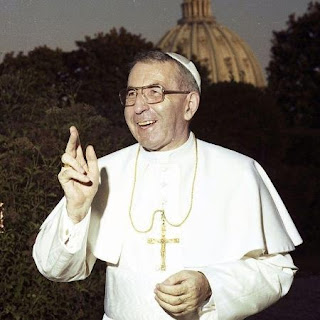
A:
135	89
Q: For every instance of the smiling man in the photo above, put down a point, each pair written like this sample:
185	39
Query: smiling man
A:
162	124
189	230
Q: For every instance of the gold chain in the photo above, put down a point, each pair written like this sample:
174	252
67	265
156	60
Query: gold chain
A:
162	211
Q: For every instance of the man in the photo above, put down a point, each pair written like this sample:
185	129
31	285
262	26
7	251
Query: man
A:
189	230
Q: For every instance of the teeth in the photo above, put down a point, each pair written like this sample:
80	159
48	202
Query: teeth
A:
145	123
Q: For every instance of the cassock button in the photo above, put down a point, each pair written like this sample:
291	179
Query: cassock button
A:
163	184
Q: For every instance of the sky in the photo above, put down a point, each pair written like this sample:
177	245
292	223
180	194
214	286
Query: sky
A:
26	24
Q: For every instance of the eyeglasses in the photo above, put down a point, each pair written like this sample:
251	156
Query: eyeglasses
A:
151	94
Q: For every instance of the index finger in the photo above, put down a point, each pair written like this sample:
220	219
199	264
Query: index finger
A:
73	142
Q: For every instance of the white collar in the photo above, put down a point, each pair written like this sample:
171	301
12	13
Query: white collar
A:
170	155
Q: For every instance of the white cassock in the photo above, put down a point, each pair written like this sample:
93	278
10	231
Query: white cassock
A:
238	232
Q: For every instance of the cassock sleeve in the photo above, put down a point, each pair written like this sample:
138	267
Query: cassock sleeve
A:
60	250
247	286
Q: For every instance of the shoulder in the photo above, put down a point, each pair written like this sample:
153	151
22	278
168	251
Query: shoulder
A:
221	155
118	157
228	166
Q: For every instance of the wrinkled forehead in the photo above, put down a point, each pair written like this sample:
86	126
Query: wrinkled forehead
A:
148	73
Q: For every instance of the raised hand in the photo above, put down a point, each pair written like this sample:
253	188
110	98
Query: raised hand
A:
79	177
182	294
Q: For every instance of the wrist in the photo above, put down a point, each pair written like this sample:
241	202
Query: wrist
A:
76	214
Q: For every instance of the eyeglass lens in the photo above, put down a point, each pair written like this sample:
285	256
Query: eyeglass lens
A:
152	94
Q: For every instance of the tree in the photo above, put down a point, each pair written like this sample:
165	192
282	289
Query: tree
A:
294	69
47	71
93	73
33	134
101	64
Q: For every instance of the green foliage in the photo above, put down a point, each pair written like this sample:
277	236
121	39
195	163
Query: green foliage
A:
46	67
30	150
294	69
101	64
294	80
93	73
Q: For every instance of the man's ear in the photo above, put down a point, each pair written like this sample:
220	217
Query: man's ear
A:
192	104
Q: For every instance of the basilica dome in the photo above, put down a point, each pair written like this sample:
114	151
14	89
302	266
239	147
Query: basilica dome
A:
226	56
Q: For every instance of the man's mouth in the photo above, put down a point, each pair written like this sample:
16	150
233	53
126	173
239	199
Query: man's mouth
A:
145	124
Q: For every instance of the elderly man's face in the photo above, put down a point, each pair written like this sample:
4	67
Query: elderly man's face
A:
162	126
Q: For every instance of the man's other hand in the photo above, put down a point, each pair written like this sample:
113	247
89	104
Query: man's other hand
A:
183	293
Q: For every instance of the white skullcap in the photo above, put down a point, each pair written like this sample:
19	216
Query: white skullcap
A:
187	64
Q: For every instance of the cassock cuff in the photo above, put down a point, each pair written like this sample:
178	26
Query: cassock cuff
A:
72	234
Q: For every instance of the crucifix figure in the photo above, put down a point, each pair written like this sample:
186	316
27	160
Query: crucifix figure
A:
163	241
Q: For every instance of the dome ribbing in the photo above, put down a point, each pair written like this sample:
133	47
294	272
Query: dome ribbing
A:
226	56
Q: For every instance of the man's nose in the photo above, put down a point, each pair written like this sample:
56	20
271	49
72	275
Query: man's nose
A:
140	104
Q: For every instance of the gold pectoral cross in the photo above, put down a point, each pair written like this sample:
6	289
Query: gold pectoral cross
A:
163	241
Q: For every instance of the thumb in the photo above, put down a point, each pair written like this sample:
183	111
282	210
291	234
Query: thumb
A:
175	278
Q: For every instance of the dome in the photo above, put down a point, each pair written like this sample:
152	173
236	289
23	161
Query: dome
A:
226	56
